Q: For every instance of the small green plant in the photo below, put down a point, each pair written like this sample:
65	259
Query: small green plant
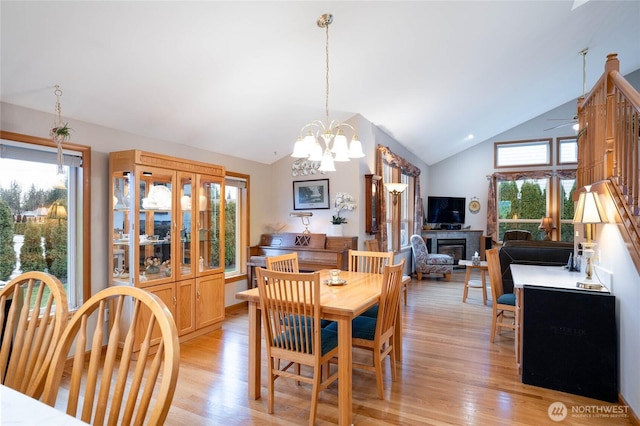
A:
63	132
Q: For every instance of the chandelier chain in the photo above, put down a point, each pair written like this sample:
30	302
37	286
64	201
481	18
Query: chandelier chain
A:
326	101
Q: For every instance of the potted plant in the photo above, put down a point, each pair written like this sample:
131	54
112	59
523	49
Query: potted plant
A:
61	132
343	202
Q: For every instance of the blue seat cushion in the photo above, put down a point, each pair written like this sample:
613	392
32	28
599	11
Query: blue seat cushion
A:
372	312
297	337
507	299
295	319
361	327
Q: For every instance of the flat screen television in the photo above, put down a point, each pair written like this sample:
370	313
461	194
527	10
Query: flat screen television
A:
448	210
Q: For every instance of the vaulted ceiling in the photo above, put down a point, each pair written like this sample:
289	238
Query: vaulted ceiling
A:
241	78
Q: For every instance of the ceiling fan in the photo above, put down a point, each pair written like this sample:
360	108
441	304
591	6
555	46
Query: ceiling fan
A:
569	122
574	121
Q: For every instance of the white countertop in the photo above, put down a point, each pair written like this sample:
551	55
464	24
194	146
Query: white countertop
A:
548	276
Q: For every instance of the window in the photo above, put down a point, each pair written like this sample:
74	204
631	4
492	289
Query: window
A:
523	153
399	217
567	150
406	210
56	216
525	196
521	205
236	224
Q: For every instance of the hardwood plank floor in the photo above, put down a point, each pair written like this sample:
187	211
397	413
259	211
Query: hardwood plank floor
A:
450	375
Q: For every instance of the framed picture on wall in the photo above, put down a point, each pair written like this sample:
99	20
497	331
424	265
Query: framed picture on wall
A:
311	194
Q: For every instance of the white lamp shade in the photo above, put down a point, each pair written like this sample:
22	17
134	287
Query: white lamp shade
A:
316	152
589	209
327	164
395	187
299	149
340	148
355	150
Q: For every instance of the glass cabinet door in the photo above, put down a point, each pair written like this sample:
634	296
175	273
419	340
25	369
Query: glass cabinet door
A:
209	226
154	234
186	186
121	220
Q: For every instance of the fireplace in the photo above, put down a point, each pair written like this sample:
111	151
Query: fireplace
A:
454	247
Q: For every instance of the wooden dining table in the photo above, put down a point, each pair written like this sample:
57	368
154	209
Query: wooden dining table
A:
337	303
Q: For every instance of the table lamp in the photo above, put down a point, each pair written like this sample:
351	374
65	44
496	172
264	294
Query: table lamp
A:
589	212
547	226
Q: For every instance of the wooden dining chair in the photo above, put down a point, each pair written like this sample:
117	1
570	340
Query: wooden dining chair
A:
371	262
106	384
283	263
371	245
33	314
504	305
377	334
299	340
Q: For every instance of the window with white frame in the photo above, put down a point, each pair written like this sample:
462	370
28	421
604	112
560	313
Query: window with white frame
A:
523	153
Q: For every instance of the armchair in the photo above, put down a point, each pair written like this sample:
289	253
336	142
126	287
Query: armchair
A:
425	263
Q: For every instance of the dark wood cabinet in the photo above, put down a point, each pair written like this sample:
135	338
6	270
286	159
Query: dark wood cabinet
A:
569	342
372	203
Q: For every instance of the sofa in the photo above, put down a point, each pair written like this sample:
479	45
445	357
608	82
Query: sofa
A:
531	252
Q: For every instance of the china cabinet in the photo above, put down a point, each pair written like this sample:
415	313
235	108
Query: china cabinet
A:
167	235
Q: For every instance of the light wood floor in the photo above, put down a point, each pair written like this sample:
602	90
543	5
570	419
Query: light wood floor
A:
450	374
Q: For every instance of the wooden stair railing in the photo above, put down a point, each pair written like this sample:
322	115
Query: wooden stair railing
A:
608	151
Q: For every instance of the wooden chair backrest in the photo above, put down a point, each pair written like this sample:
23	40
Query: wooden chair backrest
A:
31	327
106	384
369	261
389	299
371	245
290	305
495	274
283	263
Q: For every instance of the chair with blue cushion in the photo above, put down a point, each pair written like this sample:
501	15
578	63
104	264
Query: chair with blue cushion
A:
377	334
290	306
426	263
371	262
504	305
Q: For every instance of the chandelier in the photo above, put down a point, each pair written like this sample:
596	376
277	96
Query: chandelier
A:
334	145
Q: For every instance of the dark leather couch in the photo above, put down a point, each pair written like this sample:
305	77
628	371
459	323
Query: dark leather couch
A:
545	253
